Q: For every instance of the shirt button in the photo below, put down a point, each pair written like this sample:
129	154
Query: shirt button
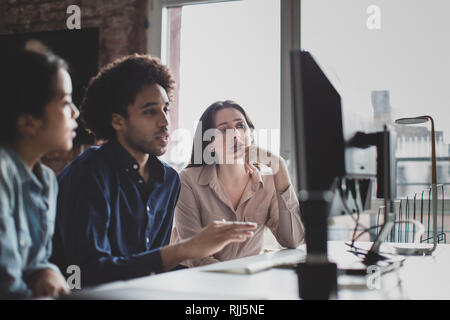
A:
141	181
148	208
135	166
22	242
147	240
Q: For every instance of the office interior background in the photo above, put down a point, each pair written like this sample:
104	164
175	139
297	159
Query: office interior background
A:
238	50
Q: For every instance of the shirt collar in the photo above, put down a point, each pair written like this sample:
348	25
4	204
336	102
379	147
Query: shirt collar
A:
26	175
123	160
208	176
257	179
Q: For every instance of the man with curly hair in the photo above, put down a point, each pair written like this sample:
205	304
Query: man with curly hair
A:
116	201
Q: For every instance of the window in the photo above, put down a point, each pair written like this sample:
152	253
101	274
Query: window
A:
389	60
224	51
394	66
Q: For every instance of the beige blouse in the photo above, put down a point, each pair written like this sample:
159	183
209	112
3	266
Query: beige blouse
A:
203	199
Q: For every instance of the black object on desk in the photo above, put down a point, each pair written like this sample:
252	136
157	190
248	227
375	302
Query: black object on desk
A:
324	160
319	136
310	288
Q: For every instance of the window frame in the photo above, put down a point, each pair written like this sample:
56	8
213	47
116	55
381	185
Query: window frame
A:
290	39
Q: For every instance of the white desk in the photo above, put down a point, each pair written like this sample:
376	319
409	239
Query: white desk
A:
419	278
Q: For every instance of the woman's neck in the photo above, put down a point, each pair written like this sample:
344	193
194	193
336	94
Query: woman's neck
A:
29	151
231	173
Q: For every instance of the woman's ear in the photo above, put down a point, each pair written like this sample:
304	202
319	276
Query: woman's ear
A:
28	126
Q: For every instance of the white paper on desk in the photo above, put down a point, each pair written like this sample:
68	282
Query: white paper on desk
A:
253	264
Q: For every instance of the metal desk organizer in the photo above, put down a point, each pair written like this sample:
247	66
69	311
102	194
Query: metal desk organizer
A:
413	222
433	198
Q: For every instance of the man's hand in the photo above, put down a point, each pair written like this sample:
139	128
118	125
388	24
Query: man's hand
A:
207	242
216	236
49	283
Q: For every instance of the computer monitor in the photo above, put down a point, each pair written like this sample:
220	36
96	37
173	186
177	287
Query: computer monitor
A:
333	158
332	146
320	147
317	124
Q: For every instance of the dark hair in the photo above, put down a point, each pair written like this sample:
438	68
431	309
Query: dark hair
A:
27	84
115	87
207	122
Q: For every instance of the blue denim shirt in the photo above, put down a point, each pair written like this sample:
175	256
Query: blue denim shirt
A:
27	215
110	222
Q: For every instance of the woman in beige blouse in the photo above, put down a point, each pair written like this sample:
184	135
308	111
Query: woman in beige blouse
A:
225	180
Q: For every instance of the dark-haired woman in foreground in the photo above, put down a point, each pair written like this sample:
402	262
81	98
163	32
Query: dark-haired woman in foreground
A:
36	116
225	181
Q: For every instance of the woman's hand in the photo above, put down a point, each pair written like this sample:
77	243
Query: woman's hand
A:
49	283
255	154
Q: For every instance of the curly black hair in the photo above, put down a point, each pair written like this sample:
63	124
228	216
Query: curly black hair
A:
28	81
115	87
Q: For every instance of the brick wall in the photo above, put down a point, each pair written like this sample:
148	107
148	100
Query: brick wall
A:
121	23
122	30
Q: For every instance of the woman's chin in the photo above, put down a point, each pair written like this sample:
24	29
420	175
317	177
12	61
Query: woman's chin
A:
234	158
66	148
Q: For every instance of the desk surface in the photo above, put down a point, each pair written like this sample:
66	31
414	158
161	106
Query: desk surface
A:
419	278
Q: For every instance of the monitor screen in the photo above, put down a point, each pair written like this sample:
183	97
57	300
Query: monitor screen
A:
318	127
332	142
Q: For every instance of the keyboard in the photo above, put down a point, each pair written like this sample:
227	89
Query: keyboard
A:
258	263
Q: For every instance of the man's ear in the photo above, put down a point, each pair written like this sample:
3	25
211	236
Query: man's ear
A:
117	121
28	126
